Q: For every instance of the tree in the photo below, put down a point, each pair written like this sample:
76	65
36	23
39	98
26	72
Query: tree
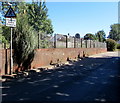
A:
24	42
111	44
6	32
30	22
114	32
100	35
77	35
89	36
2	38
37	13
38	17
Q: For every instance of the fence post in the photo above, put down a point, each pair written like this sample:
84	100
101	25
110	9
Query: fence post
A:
86	43
55	41
4	45
90	44
38	40
95	44
74	42
41	43
81	43
66	41
105	45
98	44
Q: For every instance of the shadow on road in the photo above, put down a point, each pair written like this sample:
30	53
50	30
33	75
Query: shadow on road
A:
87	80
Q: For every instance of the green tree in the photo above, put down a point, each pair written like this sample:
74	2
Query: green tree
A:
89	36
6	32
2	38
100	35
111	44
38	17
77	35
24	42
114	32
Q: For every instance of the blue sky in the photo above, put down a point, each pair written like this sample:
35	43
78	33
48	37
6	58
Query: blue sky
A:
82	17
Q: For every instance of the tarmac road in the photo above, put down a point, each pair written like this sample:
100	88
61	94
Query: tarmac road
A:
93	79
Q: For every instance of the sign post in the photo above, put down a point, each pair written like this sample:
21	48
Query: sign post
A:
10	22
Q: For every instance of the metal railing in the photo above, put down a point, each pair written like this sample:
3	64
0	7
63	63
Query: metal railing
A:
64	41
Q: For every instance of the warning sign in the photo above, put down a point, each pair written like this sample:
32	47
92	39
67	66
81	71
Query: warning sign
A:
10	13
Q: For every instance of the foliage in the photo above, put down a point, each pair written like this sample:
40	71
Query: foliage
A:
2	39
24	42
44	44
89	36
38	17
114	32
118	46
111	44
31	20
6	32
100	35
77	35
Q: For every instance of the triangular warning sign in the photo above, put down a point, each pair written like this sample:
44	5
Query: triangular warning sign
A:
10	13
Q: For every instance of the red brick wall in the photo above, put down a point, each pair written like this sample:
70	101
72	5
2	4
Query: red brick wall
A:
44	57
4	61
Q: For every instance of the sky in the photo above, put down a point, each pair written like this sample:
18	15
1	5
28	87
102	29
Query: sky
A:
82	17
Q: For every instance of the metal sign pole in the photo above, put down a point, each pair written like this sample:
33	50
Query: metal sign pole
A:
11	53
10	22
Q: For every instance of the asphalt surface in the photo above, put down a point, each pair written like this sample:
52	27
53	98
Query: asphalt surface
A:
93	79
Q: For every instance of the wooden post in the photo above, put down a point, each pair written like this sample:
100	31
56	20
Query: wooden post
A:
55	41
93	44
90	44
66	41
74	42
38	40
86	43
81	43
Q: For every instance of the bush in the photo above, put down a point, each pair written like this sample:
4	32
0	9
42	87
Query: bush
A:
111	44
118	46
24	43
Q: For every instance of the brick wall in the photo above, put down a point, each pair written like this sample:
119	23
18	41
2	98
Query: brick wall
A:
44	57
4	61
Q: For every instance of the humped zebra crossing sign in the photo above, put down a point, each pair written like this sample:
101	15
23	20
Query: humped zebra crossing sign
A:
10	13
10	18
